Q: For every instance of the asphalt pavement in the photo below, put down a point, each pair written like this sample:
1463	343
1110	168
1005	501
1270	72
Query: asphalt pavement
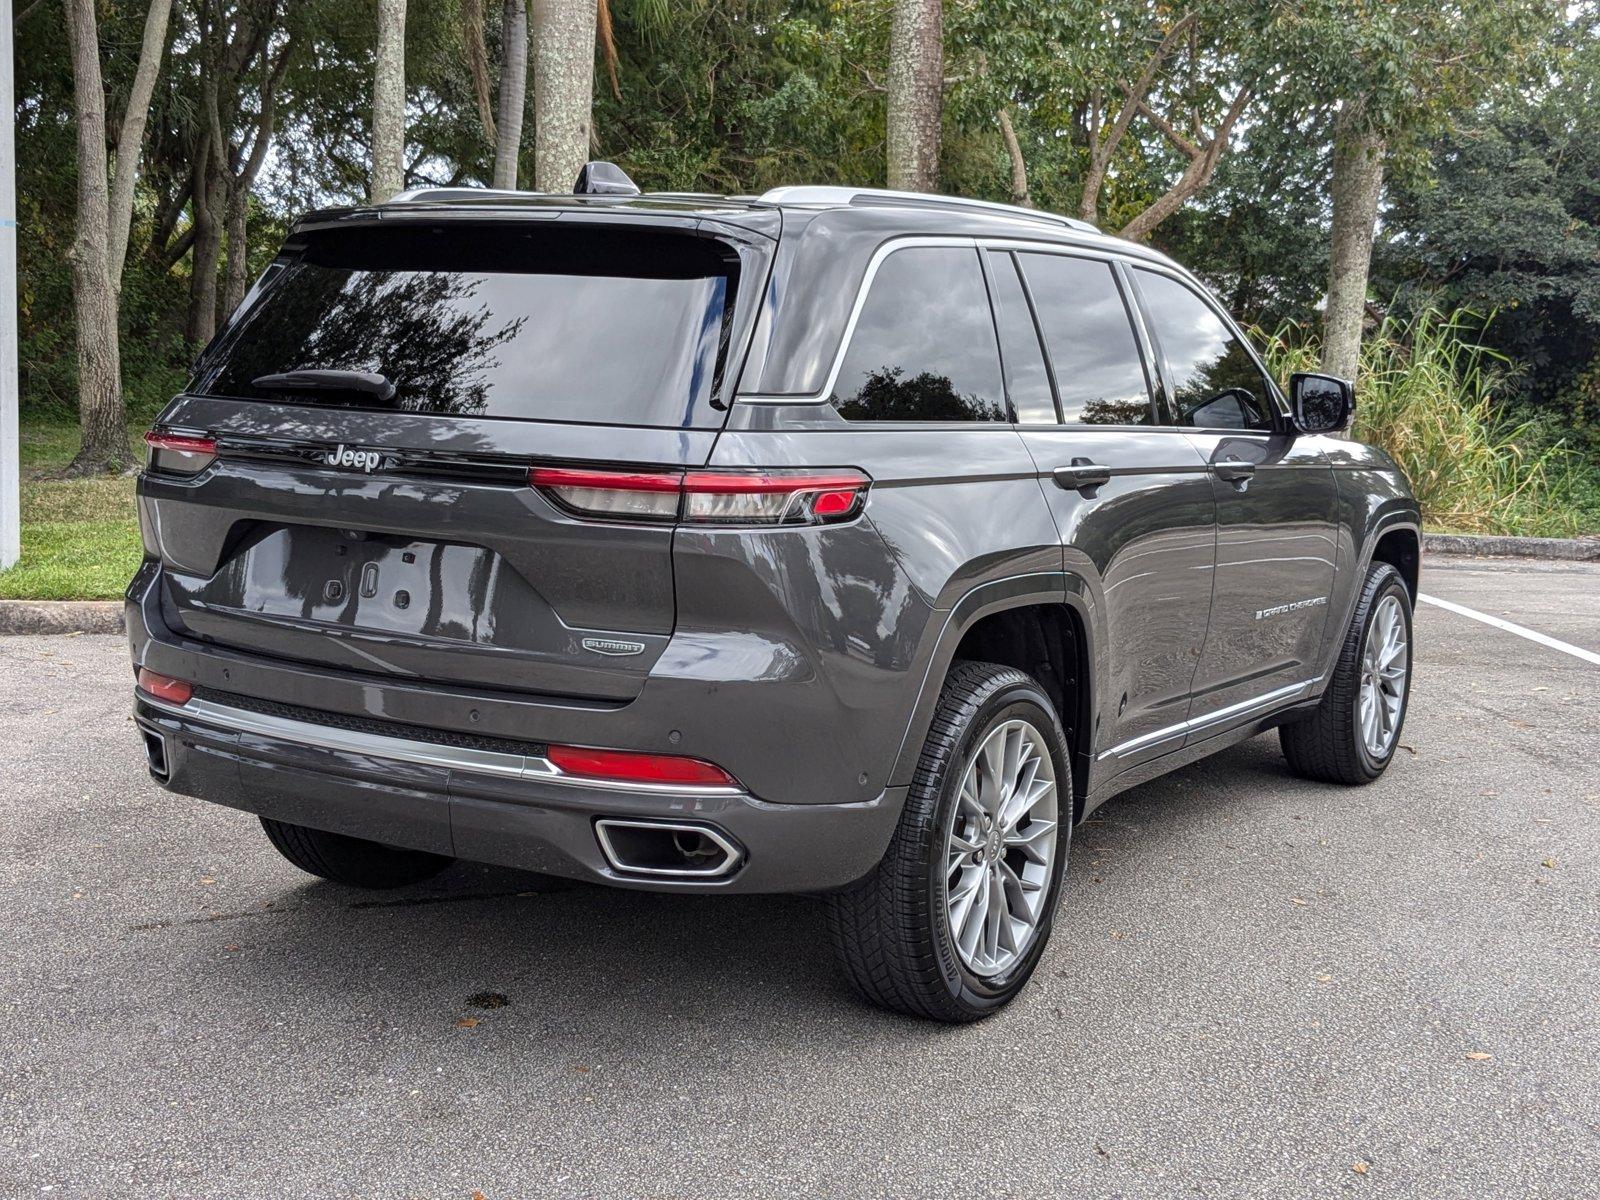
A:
1257	987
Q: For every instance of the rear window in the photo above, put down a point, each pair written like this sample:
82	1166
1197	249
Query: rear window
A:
553	324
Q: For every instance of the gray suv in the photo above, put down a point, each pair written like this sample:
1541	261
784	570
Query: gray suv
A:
832	541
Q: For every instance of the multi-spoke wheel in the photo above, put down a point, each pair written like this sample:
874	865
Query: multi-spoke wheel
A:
1385	663
952	922
1001	847
1351	736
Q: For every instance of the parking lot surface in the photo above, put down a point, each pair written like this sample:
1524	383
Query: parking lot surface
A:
1257	986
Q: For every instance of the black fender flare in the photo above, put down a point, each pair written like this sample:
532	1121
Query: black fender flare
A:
1079	595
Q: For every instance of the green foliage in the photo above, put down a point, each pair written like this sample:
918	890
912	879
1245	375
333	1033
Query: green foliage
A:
80	537
1510	219
1427	396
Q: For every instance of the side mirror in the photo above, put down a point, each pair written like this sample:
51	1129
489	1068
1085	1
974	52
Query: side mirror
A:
1320	403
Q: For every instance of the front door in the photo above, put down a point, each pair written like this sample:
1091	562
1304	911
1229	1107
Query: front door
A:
1133	502
1276	501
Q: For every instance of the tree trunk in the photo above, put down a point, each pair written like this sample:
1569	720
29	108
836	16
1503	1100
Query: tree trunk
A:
130	140
100	410
916	94
389	102
236	267
563	91
1019	166
478	65
1357	183
206	247
236	276
513	98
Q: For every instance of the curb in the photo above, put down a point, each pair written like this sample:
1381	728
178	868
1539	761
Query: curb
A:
60	616
1471	545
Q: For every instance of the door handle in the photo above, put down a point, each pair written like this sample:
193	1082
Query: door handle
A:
1083	476
1234	470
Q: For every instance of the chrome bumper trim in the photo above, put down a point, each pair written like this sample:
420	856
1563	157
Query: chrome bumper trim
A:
409	750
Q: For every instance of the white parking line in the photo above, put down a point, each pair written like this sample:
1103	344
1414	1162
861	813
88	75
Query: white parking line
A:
1533	635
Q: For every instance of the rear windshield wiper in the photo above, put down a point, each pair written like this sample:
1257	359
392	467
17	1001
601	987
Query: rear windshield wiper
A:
368	384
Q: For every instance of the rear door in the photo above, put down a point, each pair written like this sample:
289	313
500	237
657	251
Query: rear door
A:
1132	501
377	405
1276	504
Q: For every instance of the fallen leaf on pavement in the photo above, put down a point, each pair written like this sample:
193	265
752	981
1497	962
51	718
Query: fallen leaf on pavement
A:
1480	1056
467	1023
1359	1168
206	879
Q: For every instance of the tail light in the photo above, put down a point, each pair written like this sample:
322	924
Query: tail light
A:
707	497
164	687
179	453
628	766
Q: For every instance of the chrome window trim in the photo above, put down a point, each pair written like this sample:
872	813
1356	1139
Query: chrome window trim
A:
894	245
409	750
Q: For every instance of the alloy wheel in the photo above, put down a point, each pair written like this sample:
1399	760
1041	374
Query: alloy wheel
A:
1385	662
1001	846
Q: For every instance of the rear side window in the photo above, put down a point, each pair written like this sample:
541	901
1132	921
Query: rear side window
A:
1215	382
1099	372
924	347
1027	380
553	324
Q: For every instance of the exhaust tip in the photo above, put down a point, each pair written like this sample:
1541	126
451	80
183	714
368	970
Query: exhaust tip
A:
667	850
155	754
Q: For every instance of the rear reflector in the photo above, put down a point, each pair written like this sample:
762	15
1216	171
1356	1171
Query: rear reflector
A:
707	497
179	453
164	687
627	766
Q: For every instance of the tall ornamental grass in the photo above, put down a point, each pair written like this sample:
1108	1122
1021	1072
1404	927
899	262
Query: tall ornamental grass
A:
1426	395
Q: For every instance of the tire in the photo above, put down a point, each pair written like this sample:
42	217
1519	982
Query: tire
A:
351	860
894	932
1329	745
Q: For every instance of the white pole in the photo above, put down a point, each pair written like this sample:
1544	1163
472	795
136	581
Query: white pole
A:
10	442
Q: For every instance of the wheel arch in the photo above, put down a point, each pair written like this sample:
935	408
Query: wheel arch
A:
1041	624
1400	545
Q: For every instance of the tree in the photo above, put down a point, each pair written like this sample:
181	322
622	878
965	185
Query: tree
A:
389	102
1400	71
563	91
237	62
916	94
1129	148
513	93
103	217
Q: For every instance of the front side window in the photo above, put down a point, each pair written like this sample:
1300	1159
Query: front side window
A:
924	346
1215	381
1099	373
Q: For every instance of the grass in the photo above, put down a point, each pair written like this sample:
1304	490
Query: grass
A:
80	537
1426	394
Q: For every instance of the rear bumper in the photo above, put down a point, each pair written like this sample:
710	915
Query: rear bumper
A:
496	808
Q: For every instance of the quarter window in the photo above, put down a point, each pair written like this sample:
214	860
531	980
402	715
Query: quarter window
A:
924	346
1215	382
1099	373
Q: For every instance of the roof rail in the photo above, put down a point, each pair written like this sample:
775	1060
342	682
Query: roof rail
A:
453	193
831	195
